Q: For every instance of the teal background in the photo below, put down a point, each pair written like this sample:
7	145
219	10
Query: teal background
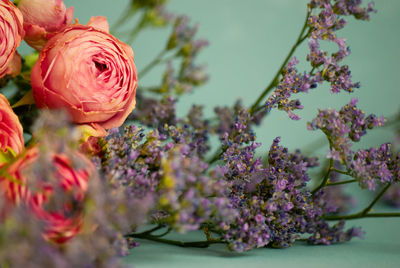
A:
248	41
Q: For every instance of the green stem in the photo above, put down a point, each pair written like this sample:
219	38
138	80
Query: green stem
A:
325	179
216	156
164	233
151	65
135	31
158	227
196	244
339	183
128	14
359	216
365	212
378	196
275	80
341	171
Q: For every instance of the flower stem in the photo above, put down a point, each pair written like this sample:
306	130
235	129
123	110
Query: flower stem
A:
196	244
339	183
325	179
341	171
275	80
129	12
151	65
378	196
365	213
135	31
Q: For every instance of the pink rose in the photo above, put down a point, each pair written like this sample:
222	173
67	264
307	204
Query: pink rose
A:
44	18
11	134
67	184
11	34
88	72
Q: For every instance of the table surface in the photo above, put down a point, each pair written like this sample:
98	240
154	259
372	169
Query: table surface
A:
380	248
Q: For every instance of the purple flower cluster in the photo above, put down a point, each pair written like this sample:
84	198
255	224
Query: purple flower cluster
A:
189	74
291	83
326	235
325	18
188	195
376	163
342	127
273	203
182	33
323	26
152	165
350	124
152	112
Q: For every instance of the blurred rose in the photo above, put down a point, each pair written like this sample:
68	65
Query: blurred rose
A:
55	194
11	134
89	73
44	18
11	34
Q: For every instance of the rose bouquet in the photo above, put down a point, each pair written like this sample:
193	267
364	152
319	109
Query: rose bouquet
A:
92	161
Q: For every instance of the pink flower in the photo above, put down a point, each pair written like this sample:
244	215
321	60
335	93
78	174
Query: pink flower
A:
55	198
44	18
11	32
88	72
11	134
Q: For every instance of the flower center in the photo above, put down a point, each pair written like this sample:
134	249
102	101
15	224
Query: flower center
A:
101	67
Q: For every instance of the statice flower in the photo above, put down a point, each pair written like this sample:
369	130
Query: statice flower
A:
182	33
274	205
342	127
196	130
291	83
189	197
323	26
238	123
346	7
152	112
376	164
131	156
350	124
326	235
354	8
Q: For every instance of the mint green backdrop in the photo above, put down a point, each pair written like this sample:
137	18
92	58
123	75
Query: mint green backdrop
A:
248	41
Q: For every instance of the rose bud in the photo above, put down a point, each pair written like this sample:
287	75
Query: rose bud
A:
11	32
55	194
89	73
11	134
44	18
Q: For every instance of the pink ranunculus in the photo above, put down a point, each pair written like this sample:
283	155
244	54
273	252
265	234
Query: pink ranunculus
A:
57	197
89	73
44	18
11	133
11	35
